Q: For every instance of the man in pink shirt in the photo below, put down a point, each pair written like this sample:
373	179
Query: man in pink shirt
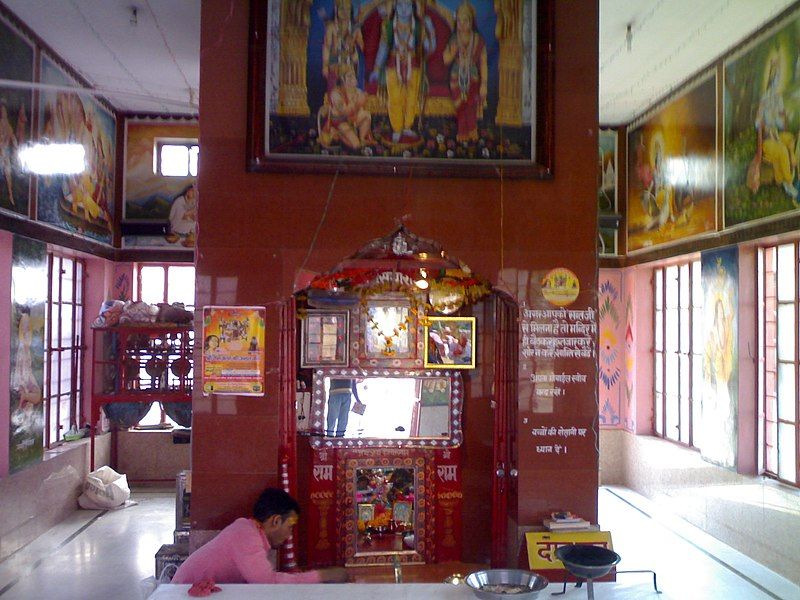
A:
241	552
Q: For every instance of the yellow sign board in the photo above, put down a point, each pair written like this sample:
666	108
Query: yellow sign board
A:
542	546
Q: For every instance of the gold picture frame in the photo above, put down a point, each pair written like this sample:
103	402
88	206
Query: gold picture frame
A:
450	342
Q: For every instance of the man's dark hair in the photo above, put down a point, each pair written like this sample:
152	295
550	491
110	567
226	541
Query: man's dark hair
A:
273	501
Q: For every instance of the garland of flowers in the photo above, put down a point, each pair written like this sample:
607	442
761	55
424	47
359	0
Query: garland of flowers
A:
417	309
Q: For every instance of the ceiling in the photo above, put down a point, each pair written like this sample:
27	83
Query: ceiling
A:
147	63
670	41
150	62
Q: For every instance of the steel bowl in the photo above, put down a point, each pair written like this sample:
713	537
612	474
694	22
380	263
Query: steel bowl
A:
533	583
586	561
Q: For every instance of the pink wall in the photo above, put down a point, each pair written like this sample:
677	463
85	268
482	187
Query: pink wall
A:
99	287
5	350
611	347
636	405
747	461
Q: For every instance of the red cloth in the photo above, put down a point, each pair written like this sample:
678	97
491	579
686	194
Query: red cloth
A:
239	554
204	588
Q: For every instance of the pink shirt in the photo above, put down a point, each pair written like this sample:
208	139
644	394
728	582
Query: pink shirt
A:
239	554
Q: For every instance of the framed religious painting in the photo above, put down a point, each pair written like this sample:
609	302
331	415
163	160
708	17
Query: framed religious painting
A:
444	87
325	337
450	342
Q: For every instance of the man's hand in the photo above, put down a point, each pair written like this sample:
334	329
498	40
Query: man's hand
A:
333	575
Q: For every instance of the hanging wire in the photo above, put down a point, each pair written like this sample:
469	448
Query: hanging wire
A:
631	29
169	49
689	41
322	220
114	55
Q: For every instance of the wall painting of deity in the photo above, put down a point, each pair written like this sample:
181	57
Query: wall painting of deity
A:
718	413
82	203
449	87
155	199
672	169
28	298
761	121
607	187
16	63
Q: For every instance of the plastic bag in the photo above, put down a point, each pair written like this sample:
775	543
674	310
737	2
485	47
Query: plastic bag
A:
104	488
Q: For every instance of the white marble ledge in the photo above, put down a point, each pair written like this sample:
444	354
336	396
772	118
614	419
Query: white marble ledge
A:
344	591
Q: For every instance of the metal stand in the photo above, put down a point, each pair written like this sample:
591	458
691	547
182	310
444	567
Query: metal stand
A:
655	584
590	584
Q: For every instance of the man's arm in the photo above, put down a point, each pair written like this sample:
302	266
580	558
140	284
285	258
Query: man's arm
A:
354	387
254	565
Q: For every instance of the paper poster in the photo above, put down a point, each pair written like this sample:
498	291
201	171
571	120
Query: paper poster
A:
233	350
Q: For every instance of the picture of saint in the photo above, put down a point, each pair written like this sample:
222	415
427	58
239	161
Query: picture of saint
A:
183	217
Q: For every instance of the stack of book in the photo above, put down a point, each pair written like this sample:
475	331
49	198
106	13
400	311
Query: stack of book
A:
566	521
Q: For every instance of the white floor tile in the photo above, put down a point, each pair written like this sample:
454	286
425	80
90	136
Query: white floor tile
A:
95	555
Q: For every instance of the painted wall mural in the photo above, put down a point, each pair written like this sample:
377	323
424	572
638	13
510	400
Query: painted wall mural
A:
672	170
16	63
81	203
628	404
153	198
28	298
610	355
761	120
607	187
720	279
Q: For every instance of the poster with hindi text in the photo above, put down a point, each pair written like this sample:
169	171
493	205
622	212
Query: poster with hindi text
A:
233	350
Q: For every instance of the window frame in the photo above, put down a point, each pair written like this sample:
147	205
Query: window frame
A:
687	434
76	349
768	381
188	143
164	420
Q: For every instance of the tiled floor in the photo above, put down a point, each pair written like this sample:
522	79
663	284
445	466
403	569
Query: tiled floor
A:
99	555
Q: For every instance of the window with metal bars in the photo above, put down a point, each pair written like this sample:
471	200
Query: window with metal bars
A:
168	283
678	352
63	372
779	424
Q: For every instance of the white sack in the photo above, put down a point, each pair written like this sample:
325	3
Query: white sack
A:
104	488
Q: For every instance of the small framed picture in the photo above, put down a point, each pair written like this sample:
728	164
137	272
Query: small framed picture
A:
389	330
402	511
325	339
450	342
366	512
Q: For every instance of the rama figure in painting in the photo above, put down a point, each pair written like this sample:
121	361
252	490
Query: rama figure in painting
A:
407	38
466	55
775	146
341	45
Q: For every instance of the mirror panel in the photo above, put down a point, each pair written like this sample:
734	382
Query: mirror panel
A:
373	408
